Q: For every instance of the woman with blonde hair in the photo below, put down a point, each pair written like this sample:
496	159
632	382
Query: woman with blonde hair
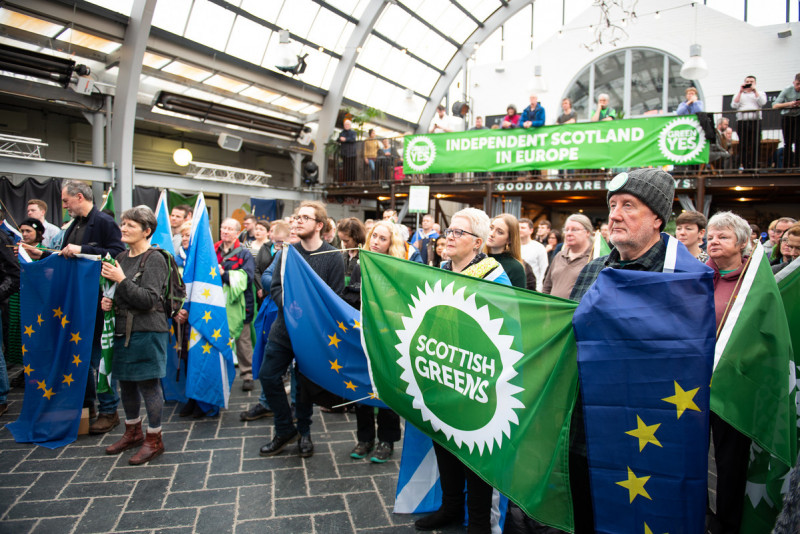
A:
504	246
383	238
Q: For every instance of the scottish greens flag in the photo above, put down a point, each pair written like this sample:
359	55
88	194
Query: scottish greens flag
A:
330	353
210	366
487	370
645	349
755	382
58	300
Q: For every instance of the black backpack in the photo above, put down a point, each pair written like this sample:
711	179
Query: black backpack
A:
174	294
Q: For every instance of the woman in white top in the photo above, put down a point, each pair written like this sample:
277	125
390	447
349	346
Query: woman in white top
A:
749	101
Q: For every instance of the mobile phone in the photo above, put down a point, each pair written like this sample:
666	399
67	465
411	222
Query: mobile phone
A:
747	85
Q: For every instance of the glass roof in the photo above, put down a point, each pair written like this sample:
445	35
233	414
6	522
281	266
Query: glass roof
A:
411	44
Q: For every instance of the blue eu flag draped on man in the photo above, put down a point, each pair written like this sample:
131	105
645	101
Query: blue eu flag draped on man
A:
58	301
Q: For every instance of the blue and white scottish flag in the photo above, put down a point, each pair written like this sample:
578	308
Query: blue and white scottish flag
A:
174	383
58	306
210	367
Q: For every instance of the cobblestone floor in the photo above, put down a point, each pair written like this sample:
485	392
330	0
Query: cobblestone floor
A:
211	479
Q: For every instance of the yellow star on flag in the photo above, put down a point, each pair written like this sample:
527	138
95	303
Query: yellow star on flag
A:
231	341
647	530
206	293
75	337
334	340
48	393
64	321
39	320
213	273
207	348
645	433
683	400
356	324
27	369
635	485
76	359
24	350
29	330
350	385
335	365
216	335
68	380
57	312
171	330
207	316
40	384
193	335
373	395
177	346
342	326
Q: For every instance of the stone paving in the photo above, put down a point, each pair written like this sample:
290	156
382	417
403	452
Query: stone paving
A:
211	479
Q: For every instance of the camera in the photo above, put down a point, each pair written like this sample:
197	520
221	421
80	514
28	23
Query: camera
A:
747	85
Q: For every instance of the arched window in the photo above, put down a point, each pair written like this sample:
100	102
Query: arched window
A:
638	81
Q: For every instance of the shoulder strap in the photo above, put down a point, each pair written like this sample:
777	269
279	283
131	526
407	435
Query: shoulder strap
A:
482	268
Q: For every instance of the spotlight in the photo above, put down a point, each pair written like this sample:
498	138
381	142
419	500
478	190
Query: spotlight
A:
310	172
182	157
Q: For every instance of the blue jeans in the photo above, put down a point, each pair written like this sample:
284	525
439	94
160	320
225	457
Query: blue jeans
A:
277	359
107	402
3	371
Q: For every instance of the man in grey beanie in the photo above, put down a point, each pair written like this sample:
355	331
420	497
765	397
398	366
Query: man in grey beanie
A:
640	204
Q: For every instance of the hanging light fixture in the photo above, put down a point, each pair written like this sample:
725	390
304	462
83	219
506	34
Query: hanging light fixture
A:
182	156
696	67
539	85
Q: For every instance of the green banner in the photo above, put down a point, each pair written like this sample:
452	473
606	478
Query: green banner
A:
594	145
457	358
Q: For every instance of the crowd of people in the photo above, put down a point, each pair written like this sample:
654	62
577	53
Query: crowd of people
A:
503	249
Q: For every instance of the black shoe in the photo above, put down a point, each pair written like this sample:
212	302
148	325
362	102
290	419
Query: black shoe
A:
256	412
439	519
198	412
3	408
305	446
247	385
188	408
278	443
361	450
382	452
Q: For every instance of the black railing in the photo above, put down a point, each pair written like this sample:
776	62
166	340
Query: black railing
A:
751	144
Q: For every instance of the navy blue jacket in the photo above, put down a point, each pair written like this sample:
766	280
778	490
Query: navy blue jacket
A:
536	116
101	236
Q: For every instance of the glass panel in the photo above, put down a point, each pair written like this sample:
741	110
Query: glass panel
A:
86	40
326	29
448	19
289	103
265	10
309	109
209	24
187	71
517	36
374	53
172	15
242	105
228	84
647	81
355	9
29	24
316	65
257	93
609	77
202	95
120	6
248	40
154	60
329	72
578	92
546	20
393	24
678	86
154	85
359	85
297	16
430	46
480	9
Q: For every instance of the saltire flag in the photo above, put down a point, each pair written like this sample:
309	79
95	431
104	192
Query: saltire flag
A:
58	301
267	314
23	255
418	487
174	383
210	370
599	246
457	358
13	233
754	384
645	350
330	353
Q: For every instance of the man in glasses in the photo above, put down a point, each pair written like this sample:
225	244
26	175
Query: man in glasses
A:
309	223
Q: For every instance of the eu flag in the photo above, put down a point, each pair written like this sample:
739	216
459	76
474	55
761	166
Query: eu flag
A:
174	383
325	332
210	368
58	301
645	352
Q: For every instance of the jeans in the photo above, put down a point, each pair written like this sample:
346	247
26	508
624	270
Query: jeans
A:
277	359
263	398
3	371
107	401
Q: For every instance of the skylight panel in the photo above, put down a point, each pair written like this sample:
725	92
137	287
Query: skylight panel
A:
209	24
154	60
120	6
248	40
394	22
86	40
225	83
203	95
289	103
263	10
297	16
326	29
29	24
317	63
187	71
359	85
172	16
260	94
480	9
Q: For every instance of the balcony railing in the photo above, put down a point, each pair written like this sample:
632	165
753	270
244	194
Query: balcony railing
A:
753	146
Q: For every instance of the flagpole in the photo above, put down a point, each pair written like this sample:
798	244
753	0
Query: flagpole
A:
336	250
8	213
353	401
734	294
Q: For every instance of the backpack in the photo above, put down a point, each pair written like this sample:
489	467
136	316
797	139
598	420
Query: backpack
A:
174	293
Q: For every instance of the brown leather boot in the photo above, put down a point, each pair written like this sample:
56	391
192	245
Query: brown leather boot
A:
105	422
131	438
153	446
